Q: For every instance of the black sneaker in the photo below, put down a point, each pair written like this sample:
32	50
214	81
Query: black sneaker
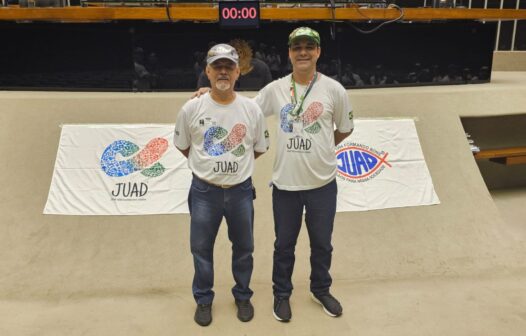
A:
282	309
331	306
245	310
203	314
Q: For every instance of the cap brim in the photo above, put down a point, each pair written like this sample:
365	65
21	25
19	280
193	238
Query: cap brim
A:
304	37
219	57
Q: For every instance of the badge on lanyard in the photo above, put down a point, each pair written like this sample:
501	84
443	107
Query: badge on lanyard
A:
297	123
297	126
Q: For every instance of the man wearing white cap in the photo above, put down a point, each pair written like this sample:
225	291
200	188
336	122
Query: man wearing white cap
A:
309	106
221	134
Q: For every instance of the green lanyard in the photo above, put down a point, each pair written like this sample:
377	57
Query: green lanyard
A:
299	103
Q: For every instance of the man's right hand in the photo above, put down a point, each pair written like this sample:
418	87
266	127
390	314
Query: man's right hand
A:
200	91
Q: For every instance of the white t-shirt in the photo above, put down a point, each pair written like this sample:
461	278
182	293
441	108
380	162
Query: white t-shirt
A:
222	138
305	153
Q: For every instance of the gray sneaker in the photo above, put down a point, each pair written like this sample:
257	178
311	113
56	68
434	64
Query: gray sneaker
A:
281	310
245	310
203	314
330	305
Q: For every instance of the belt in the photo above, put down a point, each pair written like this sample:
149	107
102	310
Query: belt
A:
222	186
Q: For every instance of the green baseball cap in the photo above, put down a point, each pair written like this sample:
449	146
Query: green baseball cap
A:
304	32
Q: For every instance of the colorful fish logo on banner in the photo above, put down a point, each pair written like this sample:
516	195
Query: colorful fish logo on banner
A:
146	161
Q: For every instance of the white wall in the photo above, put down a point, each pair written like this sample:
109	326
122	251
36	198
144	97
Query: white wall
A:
65	255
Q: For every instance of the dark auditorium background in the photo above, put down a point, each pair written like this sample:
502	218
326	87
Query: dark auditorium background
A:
106	56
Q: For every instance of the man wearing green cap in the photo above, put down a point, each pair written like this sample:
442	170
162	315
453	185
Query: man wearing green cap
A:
308	105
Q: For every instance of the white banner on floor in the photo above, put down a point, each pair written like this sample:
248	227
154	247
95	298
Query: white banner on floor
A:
118	170
136	170
381	165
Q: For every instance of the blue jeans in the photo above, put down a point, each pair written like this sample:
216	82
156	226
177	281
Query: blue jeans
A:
208	205
320	209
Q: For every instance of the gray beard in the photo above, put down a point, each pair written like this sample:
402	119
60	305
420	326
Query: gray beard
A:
222	86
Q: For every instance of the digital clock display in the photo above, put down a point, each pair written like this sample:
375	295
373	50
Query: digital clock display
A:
239	14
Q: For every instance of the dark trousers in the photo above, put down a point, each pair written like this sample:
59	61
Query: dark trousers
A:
320	209
208	205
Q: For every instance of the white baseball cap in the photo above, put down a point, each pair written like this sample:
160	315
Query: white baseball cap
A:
222	51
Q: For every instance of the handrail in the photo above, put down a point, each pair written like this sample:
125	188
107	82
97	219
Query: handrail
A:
207	13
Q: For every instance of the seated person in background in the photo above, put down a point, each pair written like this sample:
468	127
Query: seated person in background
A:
154	69
255	74
274	62
484	73
141	78
452	74
351	78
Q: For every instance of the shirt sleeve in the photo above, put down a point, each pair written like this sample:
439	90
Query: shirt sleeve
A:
182	132
264	102
261	139
343	113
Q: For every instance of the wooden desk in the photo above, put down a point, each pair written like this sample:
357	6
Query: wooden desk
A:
507	156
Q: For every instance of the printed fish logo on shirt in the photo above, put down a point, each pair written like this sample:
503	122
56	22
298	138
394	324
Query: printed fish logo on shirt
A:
231	141
309	118
360	163
145	161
